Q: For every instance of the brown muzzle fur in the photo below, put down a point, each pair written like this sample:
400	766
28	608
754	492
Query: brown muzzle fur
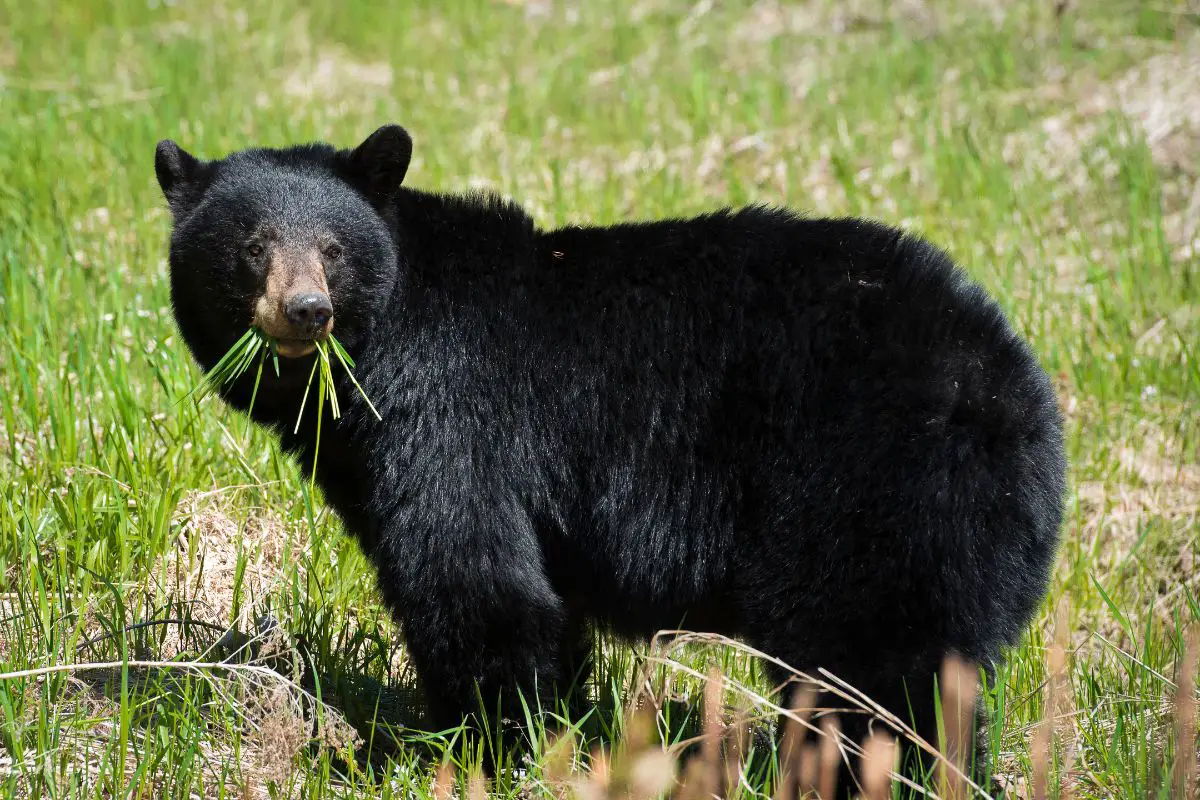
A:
291	272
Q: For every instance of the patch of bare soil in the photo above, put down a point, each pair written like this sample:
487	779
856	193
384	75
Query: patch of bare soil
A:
1157	481
221	565
1158	97
332	74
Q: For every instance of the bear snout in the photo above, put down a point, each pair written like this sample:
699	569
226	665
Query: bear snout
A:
295	307
308	312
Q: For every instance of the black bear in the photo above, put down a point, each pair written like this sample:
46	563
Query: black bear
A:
815	435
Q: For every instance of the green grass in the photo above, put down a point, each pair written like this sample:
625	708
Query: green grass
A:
1015	140
252	350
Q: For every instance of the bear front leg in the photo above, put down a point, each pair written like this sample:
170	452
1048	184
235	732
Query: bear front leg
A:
483	630
461	567
474	660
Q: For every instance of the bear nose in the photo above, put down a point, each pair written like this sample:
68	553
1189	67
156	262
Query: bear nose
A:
308	312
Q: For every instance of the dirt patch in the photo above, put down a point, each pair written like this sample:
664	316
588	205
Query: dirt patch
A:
222	569
333	74
1160	95
1079	146
1156	480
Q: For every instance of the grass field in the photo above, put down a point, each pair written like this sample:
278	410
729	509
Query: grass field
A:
1056	155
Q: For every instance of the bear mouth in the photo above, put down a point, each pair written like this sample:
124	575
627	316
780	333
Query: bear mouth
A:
295	348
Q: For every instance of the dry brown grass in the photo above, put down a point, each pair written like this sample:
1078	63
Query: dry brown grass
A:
200	584
808	770
959	682
1156	95
641	768
1078	147
332	74
879	760
222	568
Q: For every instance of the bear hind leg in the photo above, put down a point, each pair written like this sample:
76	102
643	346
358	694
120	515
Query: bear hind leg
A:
909	695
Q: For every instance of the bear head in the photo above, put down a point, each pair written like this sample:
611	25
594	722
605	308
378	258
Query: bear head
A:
298	242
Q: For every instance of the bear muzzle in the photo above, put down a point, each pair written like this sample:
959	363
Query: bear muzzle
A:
294	307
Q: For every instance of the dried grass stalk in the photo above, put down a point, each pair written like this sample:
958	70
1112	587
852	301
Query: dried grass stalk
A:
878	763
476	787
702	778
1185	718
443	783
823	682
791	747
960	688
735	754
830	756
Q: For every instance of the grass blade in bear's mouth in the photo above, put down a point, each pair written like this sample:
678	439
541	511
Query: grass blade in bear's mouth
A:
234	364
256	344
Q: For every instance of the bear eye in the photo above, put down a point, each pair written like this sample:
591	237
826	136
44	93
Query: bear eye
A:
255	250
333	252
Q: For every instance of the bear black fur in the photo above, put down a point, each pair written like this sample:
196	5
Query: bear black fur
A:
816	435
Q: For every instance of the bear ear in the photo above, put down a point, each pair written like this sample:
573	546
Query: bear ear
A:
178	173
378	165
